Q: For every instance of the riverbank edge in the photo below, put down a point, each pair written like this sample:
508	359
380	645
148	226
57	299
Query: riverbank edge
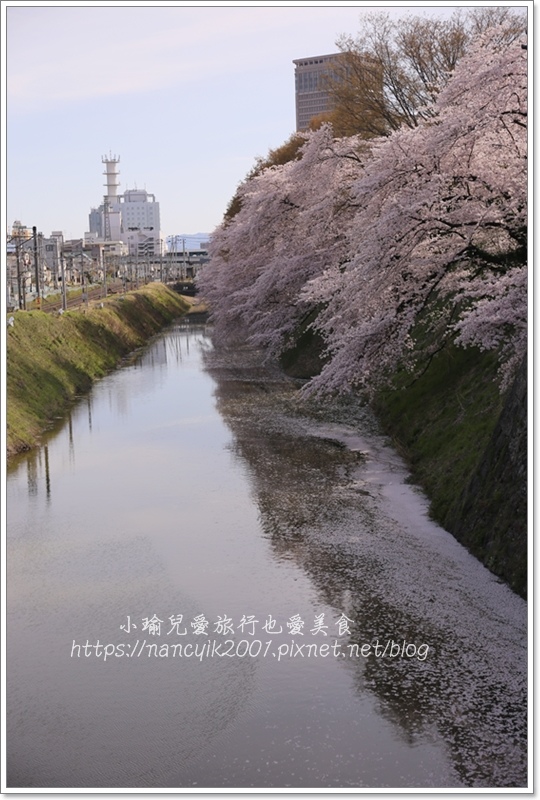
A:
464	443
52	358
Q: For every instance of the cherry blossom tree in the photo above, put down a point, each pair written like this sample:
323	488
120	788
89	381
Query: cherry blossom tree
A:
399	244
438	243
288	230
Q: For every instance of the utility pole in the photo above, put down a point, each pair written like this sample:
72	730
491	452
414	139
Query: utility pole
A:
36	268
63	270
184	271
56	258
83	285
22	304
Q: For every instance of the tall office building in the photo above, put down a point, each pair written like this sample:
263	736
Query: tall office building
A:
312	98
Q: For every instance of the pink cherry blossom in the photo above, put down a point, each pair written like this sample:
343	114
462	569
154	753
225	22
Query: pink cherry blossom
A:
425	230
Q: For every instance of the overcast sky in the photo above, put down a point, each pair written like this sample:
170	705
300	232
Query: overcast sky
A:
187	95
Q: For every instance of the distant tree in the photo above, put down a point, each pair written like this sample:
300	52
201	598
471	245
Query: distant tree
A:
391	73
511	25
358	103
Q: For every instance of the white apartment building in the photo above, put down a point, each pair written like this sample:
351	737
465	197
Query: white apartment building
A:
141	228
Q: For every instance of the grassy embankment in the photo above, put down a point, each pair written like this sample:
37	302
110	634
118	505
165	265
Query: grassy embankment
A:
444	424
52	357
467	448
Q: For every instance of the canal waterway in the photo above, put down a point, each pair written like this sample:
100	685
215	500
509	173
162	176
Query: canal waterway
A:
215	584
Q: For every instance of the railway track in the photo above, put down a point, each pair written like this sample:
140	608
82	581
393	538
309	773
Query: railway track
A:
93	294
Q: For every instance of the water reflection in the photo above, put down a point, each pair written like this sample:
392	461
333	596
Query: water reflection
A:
47	472
70	429
283	509
32	474
320	508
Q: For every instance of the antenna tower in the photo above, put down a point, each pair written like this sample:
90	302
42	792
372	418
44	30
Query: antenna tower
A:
111	173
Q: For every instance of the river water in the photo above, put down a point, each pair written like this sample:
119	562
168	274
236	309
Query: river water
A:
214	584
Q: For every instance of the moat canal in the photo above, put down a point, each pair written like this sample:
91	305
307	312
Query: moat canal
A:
212	584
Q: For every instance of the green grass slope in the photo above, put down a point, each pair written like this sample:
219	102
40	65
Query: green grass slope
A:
466	446
53	357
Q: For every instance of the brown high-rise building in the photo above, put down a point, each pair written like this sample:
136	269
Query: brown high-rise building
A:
311	96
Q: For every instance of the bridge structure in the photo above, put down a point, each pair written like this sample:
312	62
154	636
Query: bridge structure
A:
182	264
